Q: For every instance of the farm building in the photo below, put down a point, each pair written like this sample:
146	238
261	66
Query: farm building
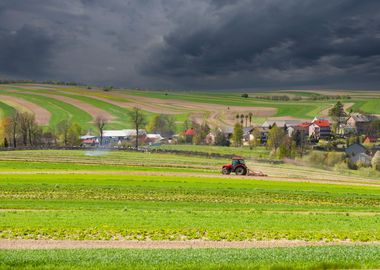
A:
89	140
153	138
119	136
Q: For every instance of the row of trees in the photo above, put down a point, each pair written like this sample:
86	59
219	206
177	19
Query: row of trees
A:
244	118
21	129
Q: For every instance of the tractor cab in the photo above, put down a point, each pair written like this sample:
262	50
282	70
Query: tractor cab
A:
237	166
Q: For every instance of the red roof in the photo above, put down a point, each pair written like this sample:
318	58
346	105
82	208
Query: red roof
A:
370	139
304	125
190	132
322	123
88	141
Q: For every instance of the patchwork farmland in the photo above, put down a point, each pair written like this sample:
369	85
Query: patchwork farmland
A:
52	103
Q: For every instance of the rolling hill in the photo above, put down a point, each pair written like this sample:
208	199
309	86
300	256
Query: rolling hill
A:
53	103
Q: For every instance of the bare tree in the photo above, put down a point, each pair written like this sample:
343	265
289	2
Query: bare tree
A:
24	127
13	126
28	127
101	122
139	120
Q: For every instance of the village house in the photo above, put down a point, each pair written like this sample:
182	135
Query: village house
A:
358	153
369	139
345	129
359	122
280	123
320	129
290	126
304	128
227	131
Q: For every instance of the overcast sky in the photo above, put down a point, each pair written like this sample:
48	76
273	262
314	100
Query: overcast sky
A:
194	44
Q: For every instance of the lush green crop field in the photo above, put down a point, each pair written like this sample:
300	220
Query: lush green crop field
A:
358	257
117	195
59	110
127	195
5	110
371	106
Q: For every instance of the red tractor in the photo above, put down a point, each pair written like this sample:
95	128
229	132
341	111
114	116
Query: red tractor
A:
237	166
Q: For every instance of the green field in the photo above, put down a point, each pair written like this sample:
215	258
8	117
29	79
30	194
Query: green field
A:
358	257
116	196
82	195
5	110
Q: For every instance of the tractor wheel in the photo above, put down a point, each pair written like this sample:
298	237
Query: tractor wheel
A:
226	171
241	171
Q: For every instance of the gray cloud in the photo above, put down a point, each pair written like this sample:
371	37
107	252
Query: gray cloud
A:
25	52
201	44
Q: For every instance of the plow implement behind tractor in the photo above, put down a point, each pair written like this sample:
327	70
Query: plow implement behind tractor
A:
239	167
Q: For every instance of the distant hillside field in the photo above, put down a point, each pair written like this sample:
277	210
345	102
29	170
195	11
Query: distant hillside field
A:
53	103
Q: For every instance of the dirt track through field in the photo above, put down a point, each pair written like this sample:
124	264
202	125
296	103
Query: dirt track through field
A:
42	115
75	244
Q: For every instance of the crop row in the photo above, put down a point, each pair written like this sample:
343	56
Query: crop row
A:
95	233
328	257
178	194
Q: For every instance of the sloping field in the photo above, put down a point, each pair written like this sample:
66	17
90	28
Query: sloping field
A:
42	115
219	109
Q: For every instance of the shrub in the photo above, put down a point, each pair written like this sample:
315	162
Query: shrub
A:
341	166
317	158
333	158
376	161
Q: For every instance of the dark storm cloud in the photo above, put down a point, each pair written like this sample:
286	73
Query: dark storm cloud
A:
200	44
274	43
25	52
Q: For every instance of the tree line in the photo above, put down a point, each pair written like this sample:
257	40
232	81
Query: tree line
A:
21	129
